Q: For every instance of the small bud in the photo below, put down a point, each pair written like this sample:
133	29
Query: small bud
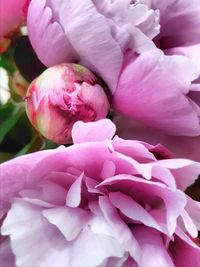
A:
18	84
62	95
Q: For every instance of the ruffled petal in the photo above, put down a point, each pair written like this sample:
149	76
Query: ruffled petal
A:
147	84
184	251
93	131
13	183
47	35
153	249
7	258
28	229
151	193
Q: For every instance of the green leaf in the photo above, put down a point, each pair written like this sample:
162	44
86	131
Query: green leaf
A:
5	156
7	62
10	120
26	59
50	145
37	143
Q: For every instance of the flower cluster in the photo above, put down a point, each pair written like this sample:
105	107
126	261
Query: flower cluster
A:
100	202
105	200
146	51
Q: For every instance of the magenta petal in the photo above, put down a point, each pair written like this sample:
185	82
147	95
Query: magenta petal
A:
185	252
153	250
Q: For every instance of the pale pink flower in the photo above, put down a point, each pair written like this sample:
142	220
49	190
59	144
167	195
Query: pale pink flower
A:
62	95
101	202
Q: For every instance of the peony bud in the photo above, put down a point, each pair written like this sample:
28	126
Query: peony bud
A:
62	95
18	84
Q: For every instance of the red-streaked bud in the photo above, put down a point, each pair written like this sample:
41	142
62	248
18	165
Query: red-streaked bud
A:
62	95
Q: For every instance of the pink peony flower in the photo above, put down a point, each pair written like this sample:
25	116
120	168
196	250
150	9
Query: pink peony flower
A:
12	14
101	202
62	95
136	47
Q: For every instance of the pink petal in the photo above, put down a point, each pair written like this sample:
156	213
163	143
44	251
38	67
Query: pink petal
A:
69	221
154	252
108	169
189	225
182	146
163	174
47	35
179	22
192	52
134	149
193	209
185	171
12	184
93	131
33	239
147	80
132	209
80	18
184	251
73	198
143	191
7	258
12	15
46	191
91	249
122	232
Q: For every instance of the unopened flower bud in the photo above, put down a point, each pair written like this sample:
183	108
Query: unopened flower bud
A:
18	84
62	95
